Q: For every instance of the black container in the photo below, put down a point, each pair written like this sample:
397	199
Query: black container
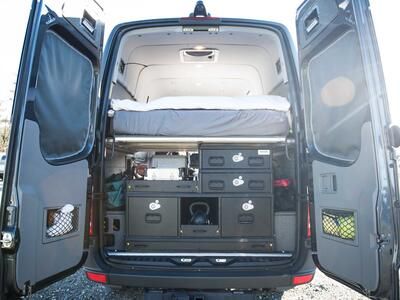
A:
236	157
247	217
155	217
236	182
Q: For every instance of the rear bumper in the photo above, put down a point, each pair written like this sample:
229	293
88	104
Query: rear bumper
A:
197	281
194	279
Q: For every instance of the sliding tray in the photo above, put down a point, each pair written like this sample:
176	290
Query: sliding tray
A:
199	245
165	186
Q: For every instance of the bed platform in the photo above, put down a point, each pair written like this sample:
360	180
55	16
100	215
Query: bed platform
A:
189	121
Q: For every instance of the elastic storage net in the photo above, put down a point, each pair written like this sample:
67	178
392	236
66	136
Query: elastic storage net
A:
339	224
62	221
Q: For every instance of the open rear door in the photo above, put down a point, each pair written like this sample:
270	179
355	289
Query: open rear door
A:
43	206
353	188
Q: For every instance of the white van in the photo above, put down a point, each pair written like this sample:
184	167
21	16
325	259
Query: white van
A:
198	157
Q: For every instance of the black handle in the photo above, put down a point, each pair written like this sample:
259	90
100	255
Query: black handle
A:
216	161
256	185
216	185
256	161
246	219
311	21
153	218
199	203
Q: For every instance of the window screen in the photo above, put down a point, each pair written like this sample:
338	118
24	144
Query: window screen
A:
338	98
63	103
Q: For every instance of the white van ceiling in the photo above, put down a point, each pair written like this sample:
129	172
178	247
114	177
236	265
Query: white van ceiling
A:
169	62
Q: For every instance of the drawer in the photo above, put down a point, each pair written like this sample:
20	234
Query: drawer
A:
246	217
236	182
152	216
172	186
236	159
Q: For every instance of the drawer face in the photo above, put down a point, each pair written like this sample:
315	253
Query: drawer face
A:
161	186
200	231
236	182
152	216
236	159
247	217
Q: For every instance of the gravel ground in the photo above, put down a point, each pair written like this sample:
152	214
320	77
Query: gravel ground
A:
78	287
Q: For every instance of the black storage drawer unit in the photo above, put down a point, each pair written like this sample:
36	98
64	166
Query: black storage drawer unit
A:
168	186
237	158
236	182
247	217
155	217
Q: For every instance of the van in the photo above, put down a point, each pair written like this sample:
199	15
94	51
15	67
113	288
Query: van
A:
201	157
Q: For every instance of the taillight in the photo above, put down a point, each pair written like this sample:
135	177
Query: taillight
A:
97	277
282	182
302	279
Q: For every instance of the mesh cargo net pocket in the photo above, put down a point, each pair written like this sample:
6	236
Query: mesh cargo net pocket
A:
339	224
62	221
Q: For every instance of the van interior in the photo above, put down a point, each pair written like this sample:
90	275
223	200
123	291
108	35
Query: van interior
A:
201	156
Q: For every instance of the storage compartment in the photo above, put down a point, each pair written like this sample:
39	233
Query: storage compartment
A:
236	182
256	158
156	217
246	217
199	217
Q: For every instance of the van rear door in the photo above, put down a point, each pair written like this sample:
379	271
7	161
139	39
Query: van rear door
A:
354	183
43	206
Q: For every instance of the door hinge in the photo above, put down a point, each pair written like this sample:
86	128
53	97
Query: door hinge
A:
7	240
28	290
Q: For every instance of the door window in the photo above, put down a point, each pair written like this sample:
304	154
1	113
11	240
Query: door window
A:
338	98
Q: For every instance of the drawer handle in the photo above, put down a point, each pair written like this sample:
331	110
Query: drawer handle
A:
246	219
153	218
216	161
256	185
142	186
199	230
216	185
256	161
183	186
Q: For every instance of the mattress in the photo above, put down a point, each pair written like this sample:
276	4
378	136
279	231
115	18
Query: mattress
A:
203	117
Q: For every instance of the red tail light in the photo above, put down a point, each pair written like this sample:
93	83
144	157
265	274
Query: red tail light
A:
302	279
282	183
97	277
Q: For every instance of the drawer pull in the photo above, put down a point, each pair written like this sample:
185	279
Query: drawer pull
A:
246	219
256	161
256	185
216	161
199	231
183	186
153	218
216	185
141	186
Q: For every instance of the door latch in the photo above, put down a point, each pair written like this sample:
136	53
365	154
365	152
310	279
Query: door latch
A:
383	239
7	240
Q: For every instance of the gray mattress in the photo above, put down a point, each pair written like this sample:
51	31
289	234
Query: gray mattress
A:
201	122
